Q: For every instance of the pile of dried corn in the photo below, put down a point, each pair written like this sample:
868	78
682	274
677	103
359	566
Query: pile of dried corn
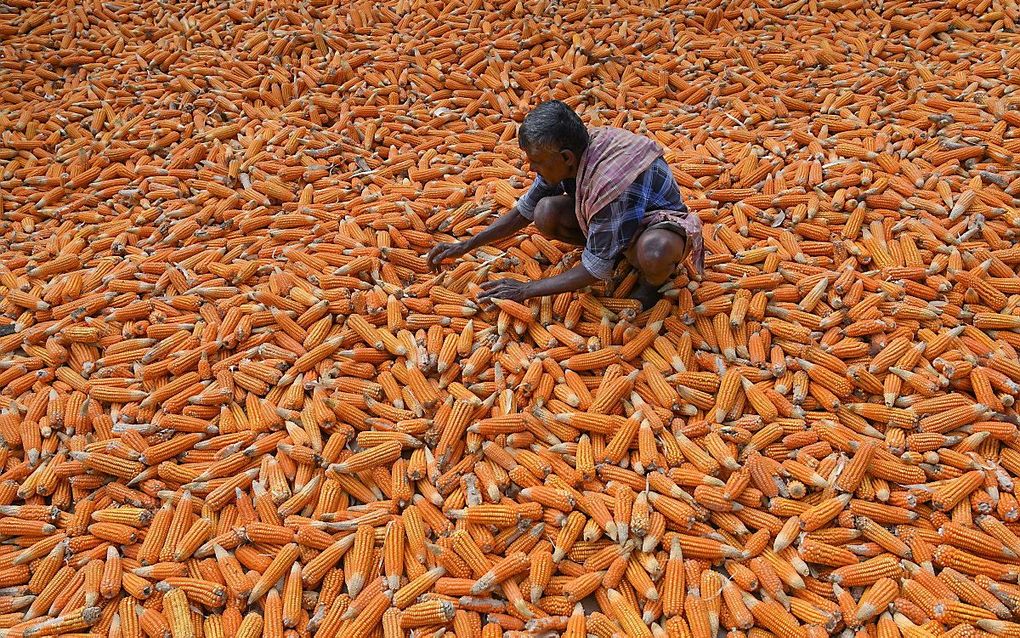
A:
238	405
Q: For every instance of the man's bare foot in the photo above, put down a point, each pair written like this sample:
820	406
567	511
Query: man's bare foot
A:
648	294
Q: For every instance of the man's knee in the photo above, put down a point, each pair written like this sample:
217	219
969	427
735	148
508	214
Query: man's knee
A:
658	251
548	214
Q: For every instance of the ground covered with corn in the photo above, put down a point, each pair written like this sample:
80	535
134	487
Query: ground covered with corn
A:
238	404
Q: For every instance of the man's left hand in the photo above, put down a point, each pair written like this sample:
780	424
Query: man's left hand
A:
505	289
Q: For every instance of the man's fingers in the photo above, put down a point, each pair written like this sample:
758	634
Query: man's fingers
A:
438	253
491	289
498	290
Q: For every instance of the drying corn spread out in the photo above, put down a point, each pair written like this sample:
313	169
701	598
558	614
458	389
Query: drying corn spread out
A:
236	403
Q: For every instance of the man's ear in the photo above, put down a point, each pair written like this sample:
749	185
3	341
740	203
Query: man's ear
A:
568	156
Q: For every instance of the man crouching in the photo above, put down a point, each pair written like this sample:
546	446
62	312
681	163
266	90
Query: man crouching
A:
606	189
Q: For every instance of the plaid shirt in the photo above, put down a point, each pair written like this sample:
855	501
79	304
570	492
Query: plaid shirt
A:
613	228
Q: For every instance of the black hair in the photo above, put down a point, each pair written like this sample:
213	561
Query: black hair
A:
553	124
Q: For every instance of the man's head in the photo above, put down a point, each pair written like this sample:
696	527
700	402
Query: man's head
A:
553	137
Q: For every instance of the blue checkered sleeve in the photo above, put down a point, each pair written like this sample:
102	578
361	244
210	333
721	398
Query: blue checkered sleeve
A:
539	189
613	228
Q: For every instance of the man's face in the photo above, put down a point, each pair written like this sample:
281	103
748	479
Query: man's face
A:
552	165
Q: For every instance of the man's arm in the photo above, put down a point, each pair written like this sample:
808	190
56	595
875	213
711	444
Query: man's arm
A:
574	279
503	227
500	229
518	217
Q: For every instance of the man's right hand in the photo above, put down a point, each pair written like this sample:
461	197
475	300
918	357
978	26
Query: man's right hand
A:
446	250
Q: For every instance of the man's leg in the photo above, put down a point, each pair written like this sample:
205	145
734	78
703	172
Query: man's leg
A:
657	253
555	218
